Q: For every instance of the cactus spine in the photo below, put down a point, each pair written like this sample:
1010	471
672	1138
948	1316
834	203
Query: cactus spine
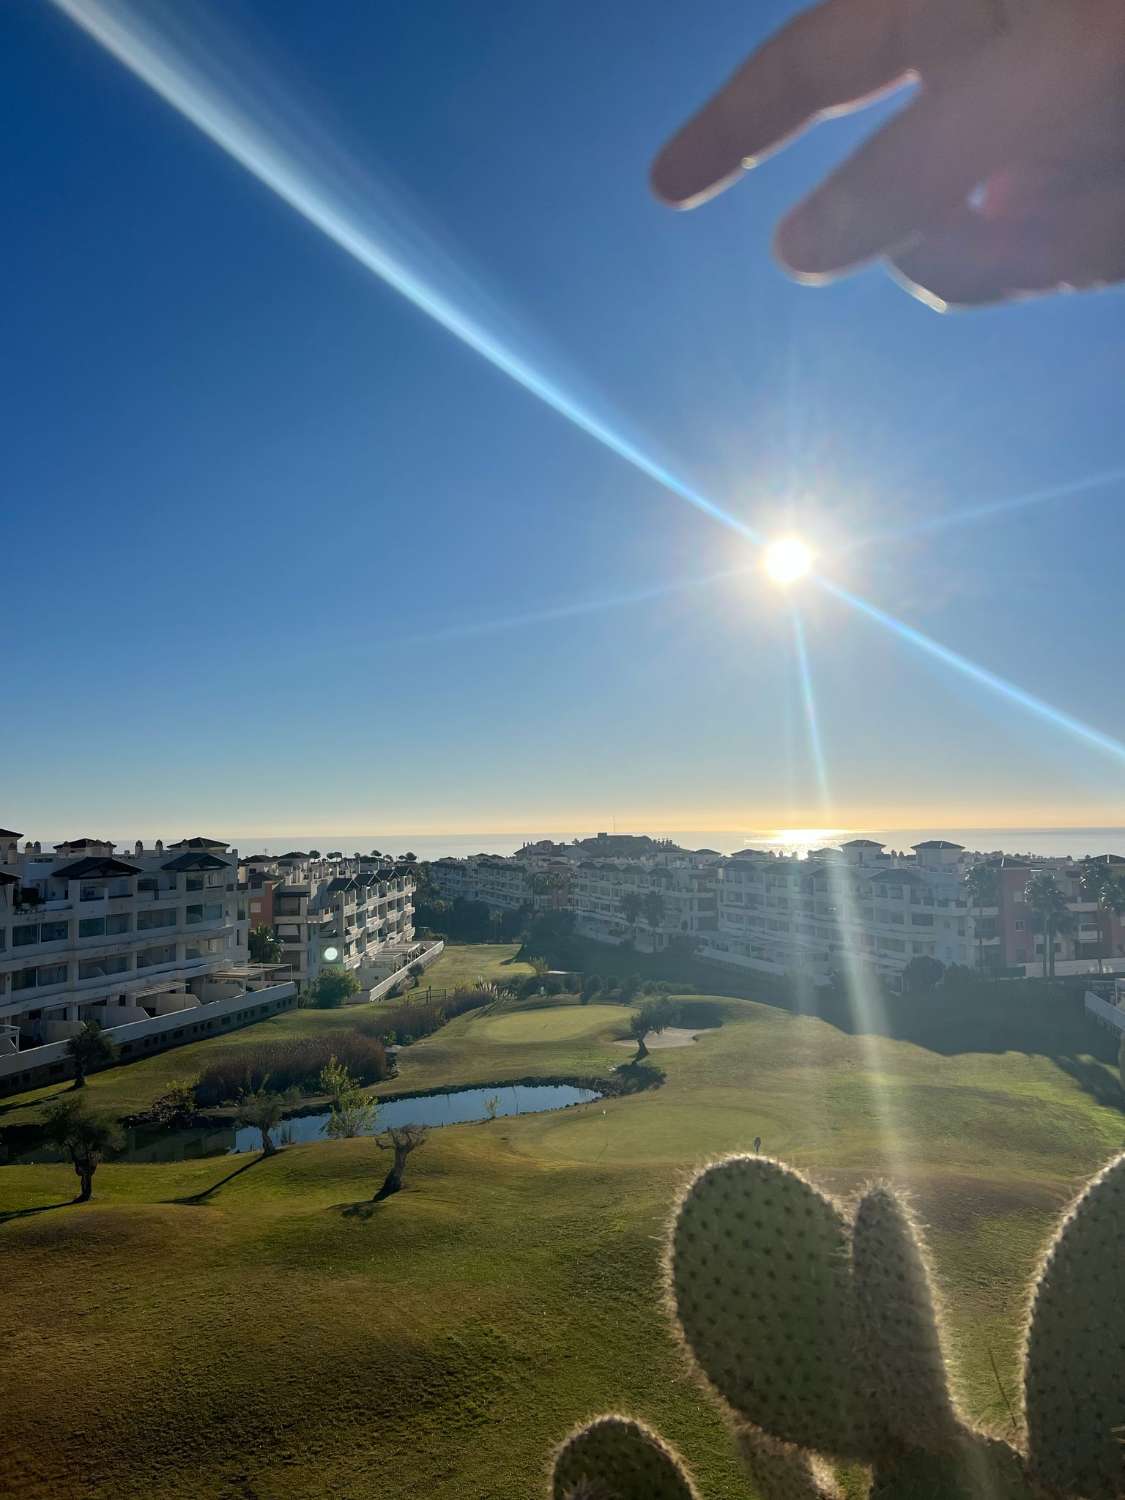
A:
818	1334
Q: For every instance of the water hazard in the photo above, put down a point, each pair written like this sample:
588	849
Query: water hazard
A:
425	1109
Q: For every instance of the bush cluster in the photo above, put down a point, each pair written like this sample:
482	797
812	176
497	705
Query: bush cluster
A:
294	1064
409	1020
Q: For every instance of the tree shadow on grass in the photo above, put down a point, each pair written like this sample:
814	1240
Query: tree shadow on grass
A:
364	1209
43	1208
193	1200
20	1102
1095	1079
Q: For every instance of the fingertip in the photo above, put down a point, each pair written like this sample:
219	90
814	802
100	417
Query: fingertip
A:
678	181
797	249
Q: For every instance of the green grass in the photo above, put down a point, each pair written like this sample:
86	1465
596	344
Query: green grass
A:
462	965
280	1342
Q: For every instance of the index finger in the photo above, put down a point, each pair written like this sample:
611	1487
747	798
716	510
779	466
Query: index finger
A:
830	59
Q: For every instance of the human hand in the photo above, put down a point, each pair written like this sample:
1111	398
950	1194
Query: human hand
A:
1005	177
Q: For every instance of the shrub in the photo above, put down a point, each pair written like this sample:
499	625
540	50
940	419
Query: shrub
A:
331	988
176	1106
289	1065
409	1021
551	985
416	971
462	1000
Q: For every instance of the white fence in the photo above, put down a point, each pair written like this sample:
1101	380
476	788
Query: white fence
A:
425	959
192	1021
1102	1010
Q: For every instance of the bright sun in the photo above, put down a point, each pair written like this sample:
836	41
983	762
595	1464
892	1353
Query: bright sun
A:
787	560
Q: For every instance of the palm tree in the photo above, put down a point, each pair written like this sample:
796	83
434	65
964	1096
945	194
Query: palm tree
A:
632	904
1100	884
90	1049
84	1137
1047	899
264	947
982	885
654	908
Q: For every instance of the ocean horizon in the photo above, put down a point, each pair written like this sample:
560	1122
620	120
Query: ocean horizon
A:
1044	842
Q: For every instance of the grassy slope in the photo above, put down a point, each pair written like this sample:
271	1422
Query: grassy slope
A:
437	1345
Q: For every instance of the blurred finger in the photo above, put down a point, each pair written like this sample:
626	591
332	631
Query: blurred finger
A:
832	58
1071	241
1008	101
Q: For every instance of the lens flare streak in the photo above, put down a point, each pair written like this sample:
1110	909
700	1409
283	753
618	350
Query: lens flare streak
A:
973	513
865	1001
979	674
153	59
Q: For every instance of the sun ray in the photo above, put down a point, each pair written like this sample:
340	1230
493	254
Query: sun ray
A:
975	673
971	514
862	986
573	610
245	134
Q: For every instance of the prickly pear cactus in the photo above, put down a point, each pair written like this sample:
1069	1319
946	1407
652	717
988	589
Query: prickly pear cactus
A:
898	1326
615	1459
761	1283
817	1332
1074	1369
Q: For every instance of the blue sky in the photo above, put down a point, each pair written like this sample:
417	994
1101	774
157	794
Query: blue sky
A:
251	494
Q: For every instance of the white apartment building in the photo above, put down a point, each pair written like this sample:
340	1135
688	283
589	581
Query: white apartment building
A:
127	940
504	884
536	878
858	905
651	903
353	913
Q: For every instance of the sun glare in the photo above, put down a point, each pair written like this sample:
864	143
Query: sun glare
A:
787	560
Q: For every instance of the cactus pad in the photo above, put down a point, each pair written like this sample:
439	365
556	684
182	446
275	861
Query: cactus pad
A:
899	1324
760	1272
1075	1375
617	1459
780	1472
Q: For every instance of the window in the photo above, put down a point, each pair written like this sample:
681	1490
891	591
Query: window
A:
148	958
99	968
24	979
54	932
92	892
118	923
90	927
194	883
1020	924
25	934
255	906
164	917
51	974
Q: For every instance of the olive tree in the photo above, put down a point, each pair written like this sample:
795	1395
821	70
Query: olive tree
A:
402	1140
85	1137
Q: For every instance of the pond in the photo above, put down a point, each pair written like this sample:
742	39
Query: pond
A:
147	1145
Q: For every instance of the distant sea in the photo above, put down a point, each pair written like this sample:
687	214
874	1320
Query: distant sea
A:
1075	842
